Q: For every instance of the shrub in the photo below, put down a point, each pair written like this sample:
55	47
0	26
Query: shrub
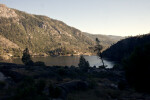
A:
92	83
39	63
40	85
102	67
30	90
62	71
54	91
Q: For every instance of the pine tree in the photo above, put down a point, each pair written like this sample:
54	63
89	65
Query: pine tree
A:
83	64
98	49
26	58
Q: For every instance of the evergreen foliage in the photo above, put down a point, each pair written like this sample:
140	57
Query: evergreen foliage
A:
54	91
98	49
26	58
123	49
83	64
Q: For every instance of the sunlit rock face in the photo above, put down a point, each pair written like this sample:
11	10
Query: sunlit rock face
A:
6	12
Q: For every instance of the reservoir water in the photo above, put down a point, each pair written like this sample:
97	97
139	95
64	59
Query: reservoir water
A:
68	61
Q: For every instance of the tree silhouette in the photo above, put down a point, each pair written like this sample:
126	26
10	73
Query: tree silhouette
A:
83	64
26	58
98	49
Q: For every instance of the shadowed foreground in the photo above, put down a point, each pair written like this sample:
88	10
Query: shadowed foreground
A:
64	83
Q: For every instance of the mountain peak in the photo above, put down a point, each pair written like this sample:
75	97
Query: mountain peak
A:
6	12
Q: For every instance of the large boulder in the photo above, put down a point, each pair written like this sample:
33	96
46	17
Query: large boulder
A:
74	85
2	77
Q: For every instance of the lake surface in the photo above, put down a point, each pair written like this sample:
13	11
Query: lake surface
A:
68	61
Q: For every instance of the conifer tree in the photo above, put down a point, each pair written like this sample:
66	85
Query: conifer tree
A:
26	58
98	49
83	64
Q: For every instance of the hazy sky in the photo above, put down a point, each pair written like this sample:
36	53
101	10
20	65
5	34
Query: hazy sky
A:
113	17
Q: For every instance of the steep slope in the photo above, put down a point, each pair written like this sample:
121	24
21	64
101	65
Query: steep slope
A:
40	33
122	49
8	49
106	40
5	43
44	35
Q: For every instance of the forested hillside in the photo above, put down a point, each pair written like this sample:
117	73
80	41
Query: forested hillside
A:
123	49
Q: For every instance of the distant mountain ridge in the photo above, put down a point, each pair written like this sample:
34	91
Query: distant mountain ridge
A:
106	40
41	34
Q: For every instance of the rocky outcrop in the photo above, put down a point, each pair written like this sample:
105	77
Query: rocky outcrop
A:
6	12
4	57
2	77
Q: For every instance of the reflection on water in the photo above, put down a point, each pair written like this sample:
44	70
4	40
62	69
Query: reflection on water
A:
68	61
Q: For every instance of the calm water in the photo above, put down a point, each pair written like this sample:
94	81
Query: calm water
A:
68	61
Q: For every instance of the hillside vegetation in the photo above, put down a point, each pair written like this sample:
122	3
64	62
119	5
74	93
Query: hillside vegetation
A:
42	35
105	40
123	48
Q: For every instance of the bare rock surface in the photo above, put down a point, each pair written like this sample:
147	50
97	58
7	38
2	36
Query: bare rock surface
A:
6	12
